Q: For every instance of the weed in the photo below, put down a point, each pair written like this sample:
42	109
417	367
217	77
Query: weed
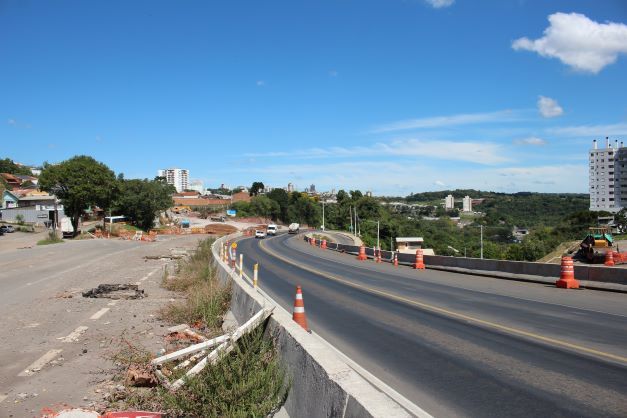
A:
248	382
52	239
206	300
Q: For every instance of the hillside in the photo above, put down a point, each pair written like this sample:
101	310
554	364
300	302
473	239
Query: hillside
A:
524	209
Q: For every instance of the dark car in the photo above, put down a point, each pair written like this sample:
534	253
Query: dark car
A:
6	228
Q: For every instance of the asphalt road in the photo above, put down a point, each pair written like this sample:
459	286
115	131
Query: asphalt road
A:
63	339
459	345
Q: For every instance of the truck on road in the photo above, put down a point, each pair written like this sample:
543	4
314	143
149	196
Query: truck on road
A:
293	228
67	228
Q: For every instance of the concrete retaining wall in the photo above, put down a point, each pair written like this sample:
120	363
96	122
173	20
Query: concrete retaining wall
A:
322	385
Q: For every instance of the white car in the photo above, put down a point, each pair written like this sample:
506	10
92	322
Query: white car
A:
272	229
260	234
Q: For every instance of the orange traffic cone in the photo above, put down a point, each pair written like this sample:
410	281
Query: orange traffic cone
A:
377	254
609	258
324	244
362	254
419	264
567	276
395	259
299	310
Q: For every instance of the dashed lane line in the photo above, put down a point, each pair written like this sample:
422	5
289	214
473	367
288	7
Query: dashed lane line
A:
40	362
3	397
98	314
74	335
446	312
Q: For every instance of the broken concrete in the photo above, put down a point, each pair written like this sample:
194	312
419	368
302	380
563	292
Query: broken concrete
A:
115	291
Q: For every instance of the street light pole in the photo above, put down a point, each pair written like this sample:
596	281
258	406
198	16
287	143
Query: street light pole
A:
323	215
378	246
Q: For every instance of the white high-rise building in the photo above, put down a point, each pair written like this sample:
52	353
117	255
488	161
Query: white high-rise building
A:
177	177
606	181
467	204
449	202
290	187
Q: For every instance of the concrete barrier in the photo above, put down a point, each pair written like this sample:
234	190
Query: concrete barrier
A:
322	384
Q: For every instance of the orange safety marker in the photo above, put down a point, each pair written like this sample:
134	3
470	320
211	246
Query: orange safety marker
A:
419	264
609	258
362	254
377	254
324	244
395	259
567	276
299	310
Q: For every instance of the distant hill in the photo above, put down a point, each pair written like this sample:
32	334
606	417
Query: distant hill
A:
523	209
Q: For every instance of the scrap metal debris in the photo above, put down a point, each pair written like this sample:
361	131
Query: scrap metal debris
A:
223	345
115	291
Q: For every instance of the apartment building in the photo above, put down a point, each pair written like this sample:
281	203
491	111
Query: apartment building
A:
177	177
608	176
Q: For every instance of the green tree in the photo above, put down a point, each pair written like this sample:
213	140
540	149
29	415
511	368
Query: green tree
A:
281	197
141	200
79	182
255	188
264	206
8	166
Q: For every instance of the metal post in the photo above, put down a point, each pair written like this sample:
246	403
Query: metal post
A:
378	246
255	274
481	228
350	215
241	265
323	215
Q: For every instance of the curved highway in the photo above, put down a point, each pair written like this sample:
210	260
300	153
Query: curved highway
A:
458	345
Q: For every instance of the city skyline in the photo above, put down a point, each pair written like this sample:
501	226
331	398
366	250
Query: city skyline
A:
381	96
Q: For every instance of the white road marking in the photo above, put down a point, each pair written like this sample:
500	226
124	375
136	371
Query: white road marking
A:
112	303
3	397
41	362
32	325
73	337
149	274
98	314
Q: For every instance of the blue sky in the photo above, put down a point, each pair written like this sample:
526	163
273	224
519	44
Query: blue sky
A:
392	96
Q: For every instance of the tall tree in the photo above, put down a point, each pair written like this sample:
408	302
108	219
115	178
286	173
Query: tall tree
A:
141	200
79	182
255	188
281	197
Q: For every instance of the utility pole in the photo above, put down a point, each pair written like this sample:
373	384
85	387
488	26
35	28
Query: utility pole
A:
378	246
350	215
481	228
323	215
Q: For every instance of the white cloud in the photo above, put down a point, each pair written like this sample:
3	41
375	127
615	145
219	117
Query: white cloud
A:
11	121
595	131
261	83
577	41
439	183
532	140
468	151
437	4
549	108
333	73
451	120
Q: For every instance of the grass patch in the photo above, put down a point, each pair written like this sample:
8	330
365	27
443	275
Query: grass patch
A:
247	382
52	239
206	300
